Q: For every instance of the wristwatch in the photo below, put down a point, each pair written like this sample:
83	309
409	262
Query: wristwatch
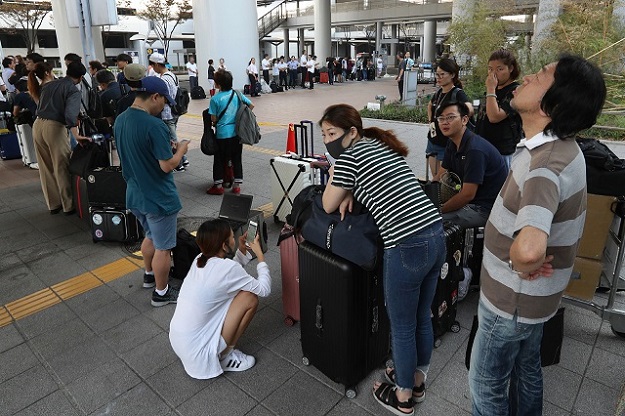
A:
515	271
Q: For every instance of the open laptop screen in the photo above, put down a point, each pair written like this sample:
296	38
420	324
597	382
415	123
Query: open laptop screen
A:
236	207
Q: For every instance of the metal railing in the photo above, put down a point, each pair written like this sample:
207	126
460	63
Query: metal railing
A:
364	5
272	19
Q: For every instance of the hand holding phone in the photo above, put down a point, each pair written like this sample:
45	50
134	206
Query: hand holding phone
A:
252	229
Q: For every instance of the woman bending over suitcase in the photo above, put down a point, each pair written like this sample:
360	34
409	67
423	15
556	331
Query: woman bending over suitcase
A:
217	302
371	168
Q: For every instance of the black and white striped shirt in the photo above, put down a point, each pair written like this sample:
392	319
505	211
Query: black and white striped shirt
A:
382	181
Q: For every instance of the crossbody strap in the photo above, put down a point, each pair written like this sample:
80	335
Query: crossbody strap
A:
226	107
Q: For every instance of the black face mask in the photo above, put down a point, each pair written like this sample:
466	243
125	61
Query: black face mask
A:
230	253
335	147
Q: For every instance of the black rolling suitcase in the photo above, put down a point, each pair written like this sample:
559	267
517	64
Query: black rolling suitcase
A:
197	93
109	218
473	252
445	303
344	326
431	189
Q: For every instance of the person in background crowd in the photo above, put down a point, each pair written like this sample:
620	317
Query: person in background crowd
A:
331	65
228	145
217	302
293	69
304	68
122	60
275	71
283	72
57	111
400	75
380	65
109	95
31	59
414	244
222	65
192	72
8	69
497	122
94	67
265	66
211	77
450	88
159	63
311	65
252	74
24	107
145	153
532	236
133	73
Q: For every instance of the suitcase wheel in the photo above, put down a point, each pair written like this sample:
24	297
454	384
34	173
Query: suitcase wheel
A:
305	361
289	321
455	327
350	393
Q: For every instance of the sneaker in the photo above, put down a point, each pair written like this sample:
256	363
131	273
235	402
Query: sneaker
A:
148	281
237	361
236	190
186	163
215	190
171	296
180	169
464	285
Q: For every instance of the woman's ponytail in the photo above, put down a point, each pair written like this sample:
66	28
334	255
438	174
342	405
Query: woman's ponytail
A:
201	261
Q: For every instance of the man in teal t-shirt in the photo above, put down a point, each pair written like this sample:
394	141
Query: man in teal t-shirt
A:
144	148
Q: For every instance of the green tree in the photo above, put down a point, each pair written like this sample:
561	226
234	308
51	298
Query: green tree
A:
25	18
165	16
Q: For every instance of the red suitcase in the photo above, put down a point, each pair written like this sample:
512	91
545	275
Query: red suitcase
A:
289	264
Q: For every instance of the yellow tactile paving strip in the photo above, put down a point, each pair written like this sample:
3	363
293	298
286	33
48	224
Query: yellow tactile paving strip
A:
50	296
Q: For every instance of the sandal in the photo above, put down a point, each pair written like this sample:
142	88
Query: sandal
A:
418	393
386	396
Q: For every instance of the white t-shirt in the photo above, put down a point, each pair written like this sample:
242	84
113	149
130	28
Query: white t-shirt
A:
282	66
276	70
191	69
251	69
311	65
171	80
2	98
380	63
303	60
266	65
203	302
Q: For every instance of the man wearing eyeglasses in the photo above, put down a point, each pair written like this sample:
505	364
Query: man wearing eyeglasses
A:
532	235
479	166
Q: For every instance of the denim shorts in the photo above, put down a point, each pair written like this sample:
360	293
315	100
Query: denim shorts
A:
434	148
161	229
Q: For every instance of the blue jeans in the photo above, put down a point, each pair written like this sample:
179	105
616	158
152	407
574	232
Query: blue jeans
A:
505	376
411	271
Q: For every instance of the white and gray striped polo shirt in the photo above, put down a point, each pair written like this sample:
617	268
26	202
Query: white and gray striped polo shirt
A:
545	189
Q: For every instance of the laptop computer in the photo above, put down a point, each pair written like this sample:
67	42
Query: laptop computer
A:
236	209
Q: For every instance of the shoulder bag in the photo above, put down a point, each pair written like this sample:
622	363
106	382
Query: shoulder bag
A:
356	238
208	144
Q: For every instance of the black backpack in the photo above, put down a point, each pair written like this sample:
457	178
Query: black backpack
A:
93	106
183	254
598	155
182	99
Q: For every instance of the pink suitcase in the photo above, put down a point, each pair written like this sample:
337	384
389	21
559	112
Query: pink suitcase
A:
289	262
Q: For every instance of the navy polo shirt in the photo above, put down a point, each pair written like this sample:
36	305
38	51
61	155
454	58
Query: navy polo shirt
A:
477	161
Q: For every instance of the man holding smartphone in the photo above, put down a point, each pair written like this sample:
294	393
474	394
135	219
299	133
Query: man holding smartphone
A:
145	153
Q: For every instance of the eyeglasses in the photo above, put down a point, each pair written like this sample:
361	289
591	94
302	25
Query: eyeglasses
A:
441	74
446	119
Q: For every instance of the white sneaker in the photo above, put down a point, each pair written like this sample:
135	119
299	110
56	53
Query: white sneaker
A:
463	286
237	361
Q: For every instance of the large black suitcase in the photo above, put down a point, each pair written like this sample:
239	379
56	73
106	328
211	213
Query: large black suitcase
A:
344	325
197	93
445	303
106	187
113	224
474	252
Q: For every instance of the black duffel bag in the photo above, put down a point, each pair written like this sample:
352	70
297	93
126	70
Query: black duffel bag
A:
605	172
87	156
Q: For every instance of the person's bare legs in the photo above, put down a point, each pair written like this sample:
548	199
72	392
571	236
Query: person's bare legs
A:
158	261
147	251
240	314
435	168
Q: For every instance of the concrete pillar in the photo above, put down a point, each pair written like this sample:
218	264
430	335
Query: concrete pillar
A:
548	12
139	46
69	38
429	41
462	9
352	51
378	36
322	19
285	35
302	43
213	20
421	46
392	61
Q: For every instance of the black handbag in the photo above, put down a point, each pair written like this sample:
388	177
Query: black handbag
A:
550	346
356	238
208	144
87	156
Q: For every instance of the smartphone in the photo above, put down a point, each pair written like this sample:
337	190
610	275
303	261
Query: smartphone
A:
185	140
330	159
252	228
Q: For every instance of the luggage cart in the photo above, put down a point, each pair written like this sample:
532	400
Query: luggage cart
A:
608	312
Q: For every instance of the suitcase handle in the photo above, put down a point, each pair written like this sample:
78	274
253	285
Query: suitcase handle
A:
304	144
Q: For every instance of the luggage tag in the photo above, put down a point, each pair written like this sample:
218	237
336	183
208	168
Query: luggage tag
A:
432	130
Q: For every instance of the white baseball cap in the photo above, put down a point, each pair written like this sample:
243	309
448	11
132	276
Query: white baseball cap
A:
157	58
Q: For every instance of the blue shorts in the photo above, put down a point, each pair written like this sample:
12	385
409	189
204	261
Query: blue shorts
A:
161	229
434	148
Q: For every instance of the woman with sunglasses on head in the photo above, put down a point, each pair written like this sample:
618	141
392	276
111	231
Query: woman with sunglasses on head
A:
367	160
217	302
447	73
